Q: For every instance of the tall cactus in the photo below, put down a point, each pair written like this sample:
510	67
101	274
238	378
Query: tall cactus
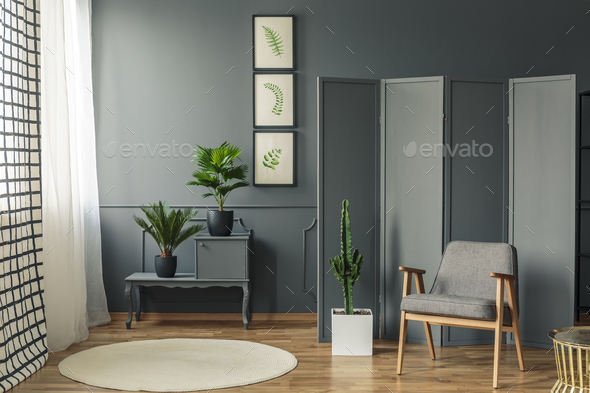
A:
347	265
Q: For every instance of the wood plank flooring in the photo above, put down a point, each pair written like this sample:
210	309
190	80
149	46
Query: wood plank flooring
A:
457	369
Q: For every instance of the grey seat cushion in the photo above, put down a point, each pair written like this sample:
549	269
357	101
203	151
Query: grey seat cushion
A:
454	306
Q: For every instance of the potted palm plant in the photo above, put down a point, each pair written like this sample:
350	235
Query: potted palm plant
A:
217	172
166	227
352	329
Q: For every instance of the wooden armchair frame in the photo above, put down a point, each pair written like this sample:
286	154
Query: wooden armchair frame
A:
496	325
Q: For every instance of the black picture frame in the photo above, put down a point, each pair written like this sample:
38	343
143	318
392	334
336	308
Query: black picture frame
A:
265	65
261	124
258	178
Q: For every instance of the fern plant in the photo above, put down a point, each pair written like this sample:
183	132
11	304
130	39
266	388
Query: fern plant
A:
271	159
217	171
278	108
274	41
166	225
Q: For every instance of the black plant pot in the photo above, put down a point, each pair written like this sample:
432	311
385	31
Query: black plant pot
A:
165	266
220	223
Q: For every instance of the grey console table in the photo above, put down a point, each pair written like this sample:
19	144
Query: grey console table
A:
220	261
182	280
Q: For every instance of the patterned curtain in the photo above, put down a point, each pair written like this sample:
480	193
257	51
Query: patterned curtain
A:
23	348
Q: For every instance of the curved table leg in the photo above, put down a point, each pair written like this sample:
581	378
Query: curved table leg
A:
246	305
138	300
128	286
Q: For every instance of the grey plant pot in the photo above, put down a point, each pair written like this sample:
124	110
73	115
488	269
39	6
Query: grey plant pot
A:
220	223
165	266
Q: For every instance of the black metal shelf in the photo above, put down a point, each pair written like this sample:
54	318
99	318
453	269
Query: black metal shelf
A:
584	147
584	254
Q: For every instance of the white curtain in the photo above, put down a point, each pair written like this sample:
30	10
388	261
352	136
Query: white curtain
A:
74	290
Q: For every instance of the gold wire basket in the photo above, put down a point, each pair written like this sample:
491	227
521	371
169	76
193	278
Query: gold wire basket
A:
572	353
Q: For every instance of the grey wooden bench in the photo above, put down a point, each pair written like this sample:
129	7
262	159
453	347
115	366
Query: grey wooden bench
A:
181	280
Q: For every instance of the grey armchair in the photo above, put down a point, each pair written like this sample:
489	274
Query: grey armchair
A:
468	291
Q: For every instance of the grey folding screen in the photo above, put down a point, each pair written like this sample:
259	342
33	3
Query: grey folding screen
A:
542	204
348	168
411	193
515	183
476	175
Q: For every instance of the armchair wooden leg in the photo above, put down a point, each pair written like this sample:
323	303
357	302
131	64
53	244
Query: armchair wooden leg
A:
497	350
498	330
519	347
403	329
515	324
427	329
428	332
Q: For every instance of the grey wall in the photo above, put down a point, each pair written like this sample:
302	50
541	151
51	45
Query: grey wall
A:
155	61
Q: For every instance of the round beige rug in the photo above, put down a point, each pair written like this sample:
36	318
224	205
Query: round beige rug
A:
177	365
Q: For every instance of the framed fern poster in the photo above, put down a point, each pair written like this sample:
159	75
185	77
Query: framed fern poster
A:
274	158
274	100
272	38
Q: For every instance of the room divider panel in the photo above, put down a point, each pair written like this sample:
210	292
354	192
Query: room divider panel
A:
458	128
412	191
476	183
348	168
542	201
451	171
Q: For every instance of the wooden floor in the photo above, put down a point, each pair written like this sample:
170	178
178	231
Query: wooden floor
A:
457	369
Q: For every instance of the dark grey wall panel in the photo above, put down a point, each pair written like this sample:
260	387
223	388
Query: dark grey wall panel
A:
476	183
542	168
412	184
348	168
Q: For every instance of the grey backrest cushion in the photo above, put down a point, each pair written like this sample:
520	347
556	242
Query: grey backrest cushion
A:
466	266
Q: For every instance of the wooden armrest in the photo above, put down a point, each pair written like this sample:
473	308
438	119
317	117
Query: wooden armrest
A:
508	277
412	270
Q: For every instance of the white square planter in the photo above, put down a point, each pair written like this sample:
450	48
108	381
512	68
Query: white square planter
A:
352	335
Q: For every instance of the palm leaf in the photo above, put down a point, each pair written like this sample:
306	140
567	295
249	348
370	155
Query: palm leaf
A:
154	217
148	228
238	172
216	171
188	233
224	190
166	225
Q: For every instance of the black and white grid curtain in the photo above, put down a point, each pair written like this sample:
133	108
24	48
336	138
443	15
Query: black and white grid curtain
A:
23	348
